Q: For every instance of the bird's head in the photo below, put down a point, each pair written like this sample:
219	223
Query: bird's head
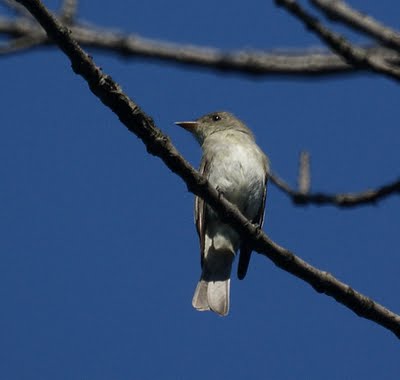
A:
212	123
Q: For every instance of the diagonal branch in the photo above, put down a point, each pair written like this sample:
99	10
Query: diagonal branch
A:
160	145
339	11
354	55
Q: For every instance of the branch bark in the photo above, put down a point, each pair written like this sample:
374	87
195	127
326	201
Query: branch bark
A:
160	145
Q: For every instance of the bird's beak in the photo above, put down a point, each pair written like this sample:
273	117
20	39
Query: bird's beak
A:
188	125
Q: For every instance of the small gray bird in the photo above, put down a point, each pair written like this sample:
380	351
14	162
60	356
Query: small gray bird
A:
234	164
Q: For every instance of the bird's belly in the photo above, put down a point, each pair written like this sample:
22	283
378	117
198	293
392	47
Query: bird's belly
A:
238	172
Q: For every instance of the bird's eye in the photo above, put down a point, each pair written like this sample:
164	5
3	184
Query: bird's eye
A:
216	117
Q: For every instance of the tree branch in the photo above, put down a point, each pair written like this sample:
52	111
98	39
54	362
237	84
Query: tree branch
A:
160	145
354	55
306	63
339	11
345	200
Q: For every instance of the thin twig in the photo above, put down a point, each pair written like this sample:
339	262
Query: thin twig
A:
340	11
20	27
304	178
345	200
160	145
68	11
354	55
19	44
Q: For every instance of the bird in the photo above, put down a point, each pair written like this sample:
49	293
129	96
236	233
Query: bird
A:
233	163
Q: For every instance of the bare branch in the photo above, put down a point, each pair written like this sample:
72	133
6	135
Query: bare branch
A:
160	145
249	62
339	11
354	55
307	63
346	200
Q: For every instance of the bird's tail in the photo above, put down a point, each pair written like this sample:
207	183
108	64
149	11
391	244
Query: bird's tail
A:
212	291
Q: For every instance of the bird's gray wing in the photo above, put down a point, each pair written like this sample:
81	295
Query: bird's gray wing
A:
245	249
200	211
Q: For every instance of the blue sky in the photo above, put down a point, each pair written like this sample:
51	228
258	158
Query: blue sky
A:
98	251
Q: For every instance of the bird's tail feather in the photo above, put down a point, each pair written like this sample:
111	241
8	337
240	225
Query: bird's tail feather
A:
212	295
200	301
212	291
218	296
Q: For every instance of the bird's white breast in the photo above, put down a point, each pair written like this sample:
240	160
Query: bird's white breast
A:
237	168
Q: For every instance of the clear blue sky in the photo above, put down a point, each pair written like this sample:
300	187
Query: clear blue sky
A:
98	251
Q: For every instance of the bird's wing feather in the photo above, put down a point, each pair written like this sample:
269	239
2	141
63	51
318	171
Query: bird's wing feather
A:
245	249
259	219
200	211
